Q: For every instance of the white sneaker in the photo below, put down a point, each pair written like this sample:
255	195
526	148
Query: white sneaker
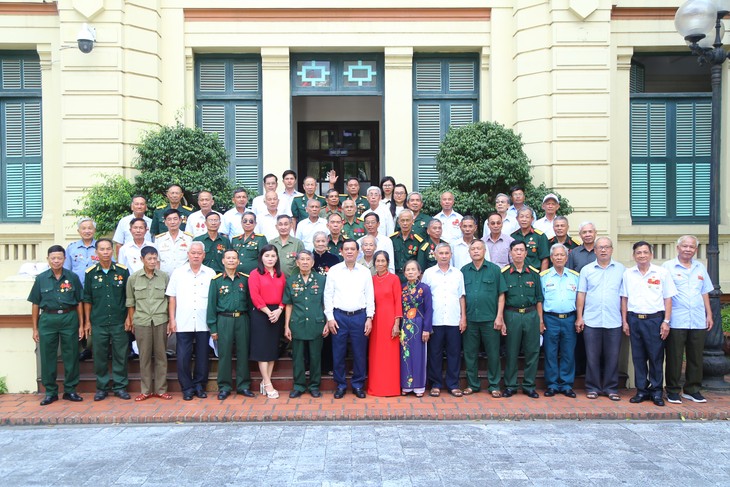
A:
695	396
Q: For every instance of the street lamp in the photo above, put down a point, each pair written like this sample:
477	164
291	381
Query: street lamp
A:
700	23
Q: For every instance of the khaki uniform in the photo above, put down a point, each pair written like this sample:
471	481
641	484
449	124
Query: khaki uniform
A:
158	218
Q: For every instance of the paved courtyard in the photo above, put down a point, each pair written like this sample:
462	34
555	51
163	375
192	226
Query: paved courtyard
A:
396	453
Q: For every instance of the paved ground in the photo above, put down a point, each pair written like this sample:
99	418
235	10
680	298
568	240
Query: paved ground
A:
394	453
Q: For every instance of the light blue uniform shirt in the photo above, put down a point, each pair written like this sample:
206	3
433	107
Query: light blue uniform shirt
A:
79	257
688	306
559	291
602	286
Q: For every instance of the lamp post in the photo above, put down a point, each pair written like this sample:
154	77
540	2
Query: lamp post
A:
700	23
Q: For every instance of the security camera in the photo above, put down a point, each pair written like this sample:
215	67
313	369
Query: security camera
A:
86	38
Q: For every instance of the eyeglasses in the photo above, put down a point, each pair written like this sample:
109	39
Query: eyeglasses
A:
248	221
605	247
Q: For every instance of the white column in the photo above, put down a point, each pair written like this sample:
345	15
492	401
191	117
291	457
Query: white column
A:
276	107
398	114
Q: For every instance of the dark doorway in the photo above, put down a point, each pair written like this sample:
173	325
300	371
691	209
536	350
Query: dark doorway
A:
350	148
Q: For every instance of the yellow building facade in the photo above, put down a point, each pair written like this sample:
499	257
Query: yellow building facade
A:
367	88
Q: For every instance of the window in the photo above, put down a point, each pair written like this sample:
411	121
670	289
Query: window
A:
445	94
21	146
337	74
670	158
228	93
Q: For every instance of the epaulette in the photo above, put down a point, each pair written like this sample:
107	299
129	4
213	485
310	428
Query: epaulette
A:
189	208
189	234
218	275
505	268
344	195
577	241
223	234
538	231
358	219
89	269
533	269
394	234
573	271
259	235
160	235
544	272
345	237
244	274
418	237
425	246
122	266
160	207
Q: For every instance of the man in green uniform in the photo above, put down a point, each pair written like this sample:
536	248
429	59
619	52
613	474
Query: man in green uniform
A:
57	293
352	226
105	309
420	220
287	245
406	245
215	243
336	238
353	194
248	243
523	319
305	324
228	322
174	198
428	249
560	226
299	203
485	288
538	251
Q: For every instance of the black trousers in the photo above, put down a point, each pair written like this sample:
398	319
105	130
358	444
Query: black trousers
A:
647	348
185	342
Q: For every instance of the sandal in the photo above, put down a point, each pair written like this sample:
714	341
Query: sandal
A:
456	392
468	391
143	397
435	392
419	394
165	395
592	395
614	397
403	393
496	394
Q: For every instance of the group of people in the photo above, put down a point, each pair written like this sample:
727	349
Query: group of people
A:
406	292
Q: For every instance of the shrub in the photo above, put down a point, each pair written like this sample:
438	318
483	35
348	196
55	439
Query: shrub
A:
107	202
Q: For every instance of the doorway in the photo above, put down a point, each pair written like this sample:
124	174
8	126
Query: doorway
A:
350	148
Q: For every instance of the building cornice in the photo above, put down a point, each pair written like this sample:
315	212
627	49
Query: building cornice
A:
337	14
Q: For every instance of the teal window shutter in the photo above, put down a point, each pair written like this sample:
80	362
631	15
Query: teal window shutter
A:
21	142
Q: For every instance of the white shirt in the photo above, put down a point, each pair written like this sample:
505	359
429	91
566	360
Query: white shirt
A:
196	224
509	225
129	255
348	290
646	293
122	234
450	224
266	225
286	198
381	243
546	226
258	206
460	253
306	230
688	305
387	225
231	225
446	290
190	291
173	252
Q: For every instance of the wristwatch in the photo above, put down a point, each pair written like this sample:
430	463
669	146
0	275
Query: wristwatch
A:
665	321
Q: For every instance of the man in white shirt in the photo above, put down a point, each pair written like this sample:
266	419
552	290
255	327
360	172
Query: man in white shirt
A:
196	221
449	321
509	221
259	206
646	310
174	244
130	253
188	292
517	193
266	220
551	205
309	226
387	225
122	234
382	242
287	195
450	220
231	225
349	305
460	247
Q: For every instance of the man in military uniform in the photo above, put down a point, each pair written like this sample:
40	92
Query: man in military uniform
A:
287	246
248	244
523	319
305	323
299	203
420	219
538	250
560	226
215	243
336	238
172	245
332	204
57	293
406	245
484	289
560	290
174	197
105	309
80	255
353	193
428	249
352	227
227	318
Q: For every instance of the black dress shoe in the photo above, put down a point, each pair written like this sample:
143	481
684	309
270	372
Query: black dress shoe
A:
550	392
359	393
295	394
508	393
569	393
315	393
132	356
340	393
49	399
100	395
187	396
638	398
72	396
658	401
223	395
84	355
201	394
532	394
246	392
122	394
169	353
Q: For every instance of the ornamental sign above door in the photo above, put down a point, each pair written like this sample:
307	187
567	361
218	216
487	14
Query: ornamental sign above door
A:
337	74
